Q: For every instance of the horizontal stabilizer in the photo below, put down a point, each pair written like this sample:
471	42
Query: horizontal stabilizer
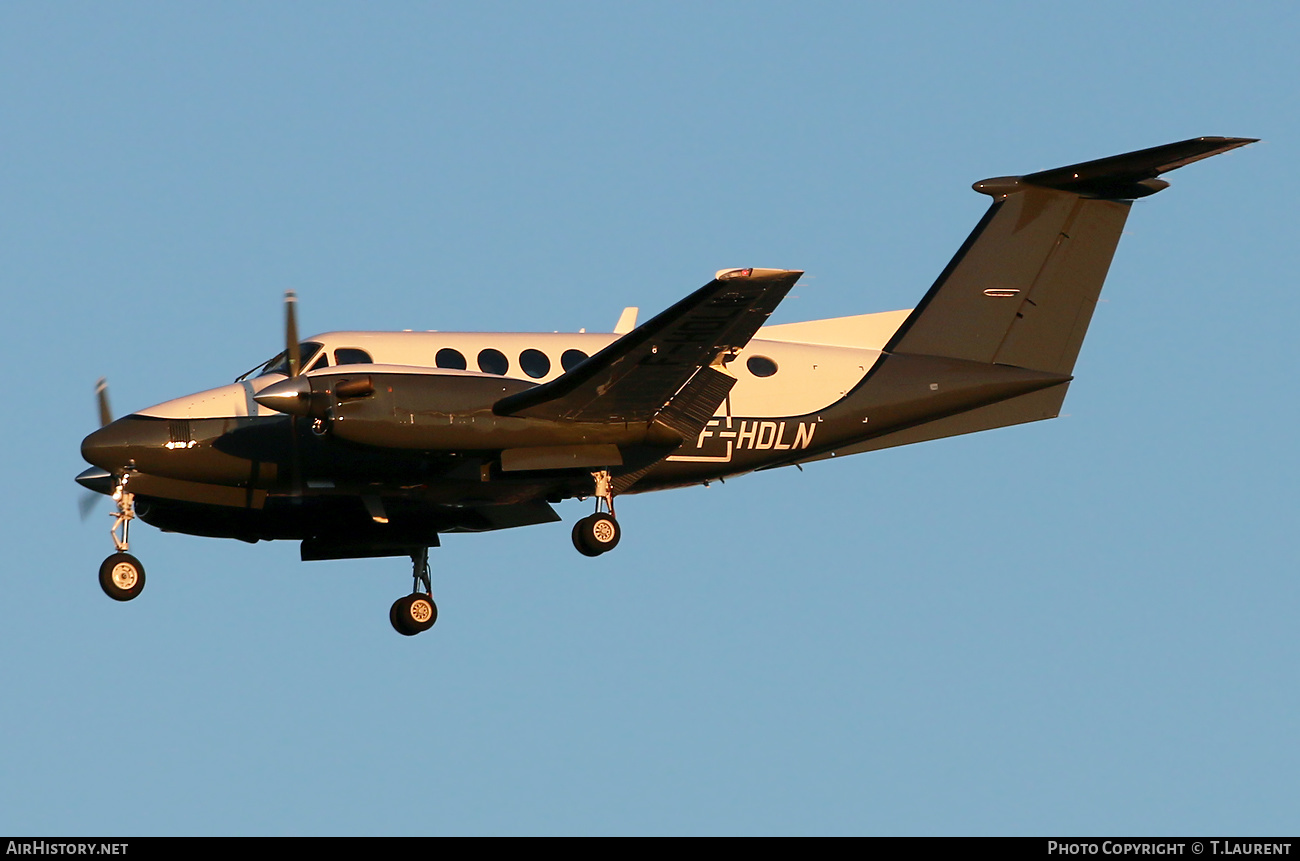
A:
1123	176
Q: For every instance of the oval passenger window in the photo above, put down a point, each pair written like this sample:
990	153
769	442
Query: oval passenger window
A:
761	366
572	358
450	359
492	361
535	363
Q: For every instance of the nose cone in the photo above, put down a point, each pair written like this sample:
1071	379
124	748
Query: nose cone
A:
292	396
107	447
117	445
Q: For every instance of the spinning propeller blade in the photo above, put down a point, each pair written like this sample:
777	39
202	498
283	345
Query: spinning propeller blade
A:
101	394
291	333
293	363
87	502
91	478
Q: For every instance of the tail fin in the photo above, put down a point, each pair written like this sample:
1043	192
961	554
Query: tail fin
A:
1022	288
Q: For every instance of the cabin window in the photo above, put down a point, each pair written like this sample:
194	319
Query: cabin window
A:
572	358
761	366
535	363
492	361
351	356
322	362
450	359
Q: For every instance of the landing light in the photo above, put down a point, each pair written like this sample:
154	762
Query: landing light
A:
724	274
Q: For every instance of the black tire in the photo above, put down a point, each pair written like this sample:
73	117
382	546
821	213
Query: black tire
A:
121	576
395	619
413	613
578	542
597	534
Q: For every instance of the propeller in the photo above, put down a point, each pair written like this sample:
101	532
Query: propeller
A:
98	482
101	394
292	353
87	502
95	477
293	365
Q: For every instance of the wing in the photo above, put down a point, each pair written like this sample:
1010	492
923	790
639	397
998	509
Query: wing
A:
663	368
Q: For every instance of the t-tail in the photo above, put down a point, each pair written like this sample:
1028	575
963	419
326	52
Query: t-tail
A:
1001	328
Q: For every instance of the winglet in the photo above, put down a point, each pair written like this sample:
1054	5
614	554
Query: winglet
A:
1118	177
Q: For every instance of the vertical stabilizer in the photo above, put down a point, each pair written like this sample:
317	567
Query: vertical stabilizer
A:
1022	288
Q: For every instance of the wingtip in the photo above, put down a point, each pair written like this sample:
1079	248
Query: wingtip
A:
1216	144
754	272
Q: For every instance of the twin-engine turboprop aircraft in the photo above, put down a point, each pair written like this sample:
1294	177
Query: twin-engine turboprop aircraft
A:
366	444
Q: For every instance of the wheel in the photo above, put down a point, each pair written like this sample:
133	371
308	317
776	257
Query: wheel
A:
396	621
596	534
420	612
121	576
413	613
578	542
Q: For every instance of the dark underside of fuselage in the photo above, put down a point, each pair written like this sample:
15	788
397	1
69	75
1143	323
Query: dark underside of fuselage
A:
273	478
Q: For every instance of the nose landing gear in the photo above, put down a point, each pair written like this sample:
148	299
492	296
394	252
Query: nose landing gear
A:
121	575
414	613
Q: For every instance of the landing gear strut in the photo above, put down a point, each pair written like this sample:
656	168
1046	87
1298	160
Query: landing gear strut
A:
598	533
121	575
416	612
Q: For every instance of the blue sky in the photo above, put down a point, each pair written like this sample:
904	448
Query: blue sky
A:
1084	626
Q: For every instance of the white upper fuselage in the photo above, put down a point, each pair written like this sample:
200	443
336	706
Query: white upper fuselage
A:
816	363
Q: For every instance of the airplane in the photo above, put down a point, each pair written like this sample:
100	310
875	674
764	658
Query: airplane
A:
373	444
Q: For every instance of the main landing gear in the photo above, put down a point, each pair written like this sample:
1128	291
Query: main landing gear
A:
598	533
416	612
121	575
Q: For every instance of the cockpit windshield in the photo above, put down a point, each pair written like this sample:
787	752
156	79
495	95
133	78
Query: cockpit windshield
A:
280	364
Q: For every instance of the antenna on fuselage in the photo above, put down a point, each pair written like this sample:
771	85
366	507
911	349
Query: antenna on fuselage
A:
626	321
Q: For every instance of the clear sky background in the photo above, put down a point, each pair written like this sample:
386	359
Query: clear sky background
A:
1083	626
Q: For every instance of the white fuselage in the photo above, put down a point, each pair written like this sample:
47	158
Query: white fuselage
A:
816	363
